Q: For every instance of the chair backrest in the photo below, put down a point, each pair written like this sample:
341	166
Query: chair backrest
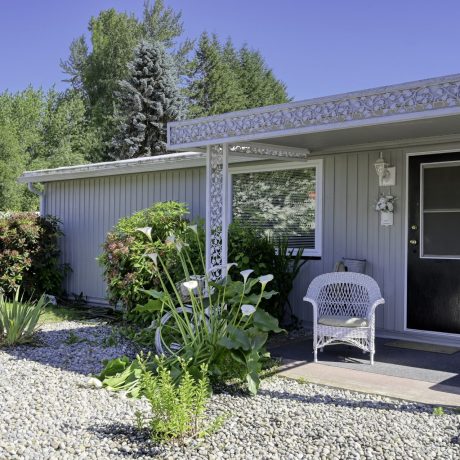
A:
344	293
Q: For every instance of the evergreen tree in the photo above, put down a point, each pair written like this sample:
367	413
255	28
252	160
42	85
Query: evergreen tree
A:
148	99
259	85
95	72
223	79
214	86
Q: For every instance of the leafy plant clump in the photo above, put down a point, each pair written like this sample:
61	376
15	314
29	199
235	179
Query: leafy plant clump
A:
250	248
29	254
216	323
18	319
178	410
126	269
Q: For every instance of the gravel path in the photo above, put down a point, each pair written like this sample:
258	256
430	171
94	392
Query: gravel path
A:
48	411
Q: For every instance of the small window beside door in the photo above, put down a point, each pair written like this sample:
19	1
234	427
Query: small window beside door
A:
440	206
281	202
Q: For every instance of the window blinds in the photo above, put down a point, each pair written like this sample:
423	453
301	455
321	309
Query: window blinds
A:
279	203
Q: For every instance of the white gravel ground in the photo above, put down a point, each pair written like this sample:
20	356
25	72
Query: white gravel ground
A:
48	411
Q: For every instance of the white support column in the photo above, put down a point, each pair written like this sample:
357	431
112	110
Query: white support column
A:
216	206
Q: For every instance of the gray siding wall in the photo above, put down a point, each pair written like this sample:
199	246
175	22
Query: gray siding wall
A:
351	228
89	208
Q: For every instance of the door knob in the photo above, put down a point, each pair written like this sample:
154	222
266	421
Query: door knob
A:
414	227
413	242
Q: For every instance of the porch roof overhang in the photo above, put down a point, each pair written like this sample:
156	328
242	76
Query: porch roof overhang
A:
420	109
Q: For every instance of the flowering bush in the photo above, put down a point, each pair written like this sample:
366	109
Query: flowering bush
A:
127	272
385	203
29	254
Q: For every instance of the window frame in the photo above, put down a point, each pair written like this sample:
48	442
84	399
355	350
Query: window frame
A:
317	164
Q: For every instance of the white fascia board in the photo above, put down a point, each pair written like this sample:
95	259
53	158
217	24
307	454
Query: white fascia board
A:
422	99
137	165
113	168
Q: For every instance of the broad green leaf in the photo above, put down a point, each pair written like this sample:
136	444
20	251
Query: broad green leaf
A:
154	293
253	382
257	338
150	307
265	321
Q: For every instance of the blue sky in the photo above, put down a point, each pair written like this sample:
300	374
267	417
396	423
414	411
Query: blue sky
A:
316	47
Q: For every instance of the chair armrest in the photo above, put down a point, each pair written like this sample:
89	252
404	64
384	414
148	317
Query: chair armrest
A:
371	310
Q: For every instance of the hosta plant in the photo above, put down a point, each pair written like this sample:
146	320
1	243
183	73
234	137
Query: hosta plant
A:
19	319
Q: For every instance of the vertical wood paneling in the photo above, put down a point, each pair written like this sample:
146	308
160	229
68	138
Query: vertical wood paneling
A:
89	208
352	228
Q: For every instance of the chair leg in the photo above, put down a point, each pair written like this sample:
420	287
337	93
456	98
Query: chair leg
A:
372	358
315	355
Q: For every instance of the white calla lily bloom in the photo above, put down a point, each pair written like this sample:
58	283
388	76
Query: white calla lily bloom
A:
171	239
265	279
194	228
247	309
146	231
190	285
154	257
230	265
245	274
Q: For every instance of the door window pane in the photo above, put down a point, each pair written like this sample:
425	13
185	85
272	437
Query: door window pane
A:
441	211
441	187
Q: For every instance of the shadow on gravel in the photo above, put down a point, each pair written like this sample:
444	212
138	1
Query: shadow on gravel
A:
81	349
413	408
135	443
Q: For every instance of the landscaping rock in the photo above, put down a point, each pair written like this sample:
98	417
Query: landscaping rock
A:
51	408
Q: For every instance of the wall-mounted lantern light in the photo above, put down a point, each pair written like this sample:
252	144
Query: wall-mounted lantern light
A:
386	173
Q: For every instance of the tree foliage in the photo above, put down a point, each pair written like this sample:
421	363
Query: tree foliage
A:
224	79
148	99
39	130
96	70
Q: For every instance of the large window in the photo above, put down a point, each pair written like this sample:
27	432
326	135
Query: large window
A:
283	202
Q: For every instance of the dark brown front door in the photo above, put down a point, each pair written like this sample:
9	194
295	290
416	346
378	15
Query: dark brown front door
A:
433	243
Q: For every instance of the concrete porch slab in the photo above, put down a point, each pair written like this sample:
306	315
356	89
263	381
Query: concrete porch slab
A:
384	385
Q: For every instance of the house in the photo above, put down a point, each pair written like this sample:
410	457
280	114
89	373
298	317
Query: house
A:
308	170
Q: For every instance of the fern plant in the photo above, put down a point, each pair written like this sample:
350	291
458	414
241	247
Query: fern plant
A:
178	410
19	319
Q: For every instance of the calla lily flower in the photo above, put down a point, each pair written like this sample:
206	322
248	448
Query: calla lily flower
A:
265	279
247	309
194	228
190	285
147	231
171	239
230	265
154	257
245	274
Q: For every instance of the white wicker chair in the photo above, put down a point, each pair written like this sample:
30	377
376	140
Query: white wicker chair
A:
344	306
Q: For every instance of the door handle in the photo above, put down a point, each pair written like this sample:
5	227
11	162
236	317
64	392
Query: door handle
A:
413	242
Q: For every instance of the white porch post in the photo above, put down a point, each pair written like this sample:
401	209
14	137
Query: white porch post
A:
216	206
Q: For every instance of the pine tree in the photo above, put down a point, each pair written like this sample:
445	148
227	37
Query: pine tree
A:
259	85
148	99
214	86
223	79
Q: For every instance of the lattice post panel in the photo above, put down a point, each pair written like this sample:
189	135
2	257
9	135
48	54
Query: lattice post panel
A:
216	207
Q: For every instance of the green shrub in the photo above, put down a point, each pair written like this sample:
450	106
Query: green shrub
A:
29	254
18	319
126	269
252	249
